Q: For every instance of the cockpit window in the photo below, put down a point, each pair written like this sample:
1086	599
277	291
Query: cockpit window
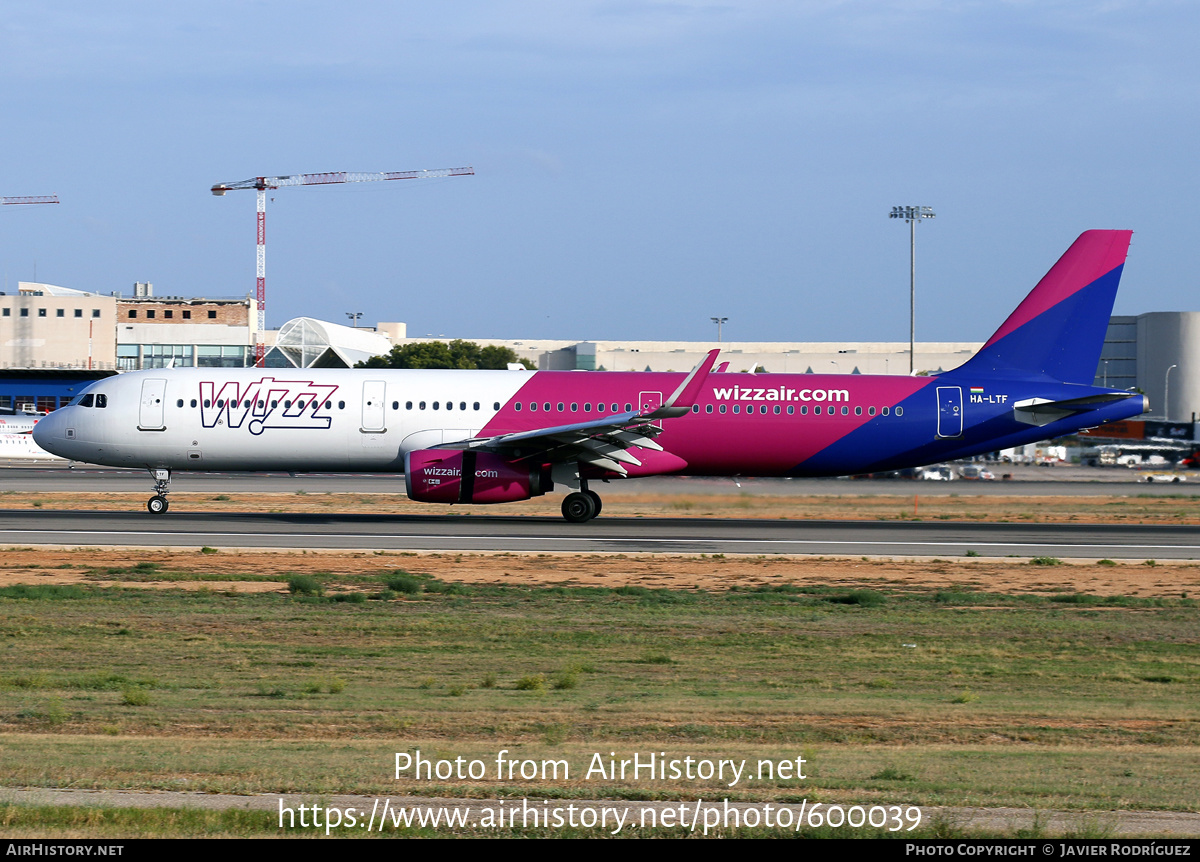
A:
101	400
86	400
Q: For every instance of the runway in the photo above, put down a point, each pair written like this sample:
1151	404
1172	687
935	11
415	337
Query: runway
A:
1027	481
464	533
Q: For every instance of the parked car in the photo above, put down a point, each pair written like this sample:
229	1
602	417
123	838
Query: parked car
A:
981	474
937	473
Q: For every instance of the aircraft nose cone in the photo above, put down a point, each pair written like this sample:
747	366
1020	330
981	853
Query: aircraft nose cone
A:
48	430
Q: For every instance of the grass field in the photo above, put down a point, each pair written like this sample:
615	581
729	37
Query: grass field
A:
890	691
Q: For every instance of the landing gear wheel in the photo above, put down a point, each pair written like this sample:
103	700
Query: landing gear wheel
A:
595	499
157	504
578	507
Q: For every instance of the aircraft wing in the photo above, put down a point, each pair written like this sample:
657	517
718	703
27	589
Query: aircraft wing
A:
602	442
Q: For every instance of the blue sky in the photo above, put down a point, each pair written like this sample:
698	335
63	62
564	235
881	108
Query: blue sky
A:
641	167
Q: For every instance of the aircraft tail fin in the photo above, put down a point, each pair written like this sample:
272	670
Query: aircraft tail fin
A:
1058	330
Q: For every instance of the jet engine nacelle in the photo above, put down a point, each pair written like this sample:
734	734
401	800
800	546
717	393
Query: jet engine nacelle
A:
455	476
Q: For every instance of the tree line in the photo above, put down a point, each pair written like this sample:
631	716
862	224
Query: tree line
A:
440	354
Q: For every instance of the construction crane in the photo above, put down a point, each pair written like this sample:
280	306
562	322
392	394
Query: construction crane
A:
30	199
262	184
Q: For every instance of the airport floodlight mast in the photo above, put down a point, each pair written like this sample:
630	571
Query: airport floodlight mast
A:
912	215
719	321
261	184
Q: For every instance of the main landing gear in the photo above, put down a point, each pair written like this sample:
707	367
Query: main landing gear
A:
158	505
580	506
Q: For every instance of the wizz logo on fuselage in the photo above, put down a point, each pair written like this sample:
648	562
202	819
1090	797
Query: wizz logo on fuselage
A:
266	403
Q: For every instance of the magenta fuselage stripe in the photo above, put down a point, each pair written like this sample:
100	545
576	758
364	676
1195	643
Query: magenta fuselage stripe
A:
718	443
1095	254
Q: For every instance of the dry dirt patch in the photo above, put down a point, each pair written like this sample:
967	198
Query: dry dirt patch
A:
228	569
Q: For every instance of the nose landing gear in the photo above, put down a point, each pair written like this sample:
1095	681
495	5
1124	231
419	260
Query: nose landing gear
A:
158	505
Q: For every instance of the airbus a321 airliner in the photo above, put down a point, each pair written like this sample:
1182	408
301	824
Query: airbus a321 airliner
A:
500	436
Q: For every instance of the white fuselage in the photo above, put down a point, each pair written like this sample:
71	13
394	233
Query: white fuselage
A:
275	419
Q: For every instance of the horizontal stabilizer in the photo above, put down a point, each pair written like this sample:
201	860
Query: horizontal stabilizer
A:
1040	411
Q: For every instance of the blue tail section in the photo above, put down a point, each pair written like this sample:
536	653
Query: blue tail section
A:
1058	331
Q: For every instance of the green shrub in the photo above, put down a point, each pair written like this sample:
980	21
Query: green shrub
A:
532	682
305	585
403	582
135	697
863	598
